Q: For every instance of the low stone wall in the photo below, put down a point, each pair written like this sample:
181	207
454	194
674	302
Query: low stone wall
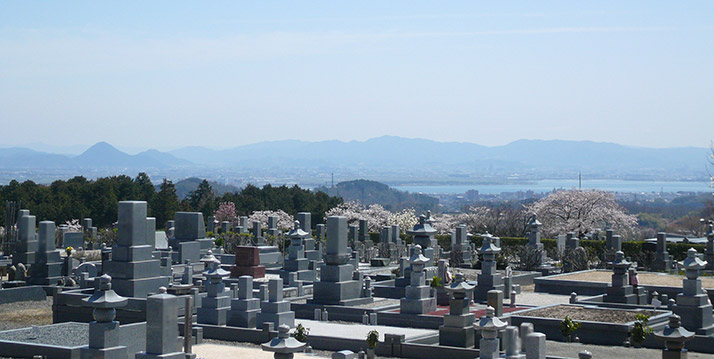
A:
21	294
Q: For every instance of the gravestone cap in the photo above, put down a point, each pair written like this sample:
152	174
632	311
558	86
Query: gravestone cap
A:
417	258
692	262
674	332
104	296
283	343
490	322
459	285
422	228
297	232
488	245
534	222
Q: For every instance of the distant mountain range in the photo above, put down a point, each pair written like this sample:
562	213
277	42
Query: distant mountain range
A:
385	152
101	155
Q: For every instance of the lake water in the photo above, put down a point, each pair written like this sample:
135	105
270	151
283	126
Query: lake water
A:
548	185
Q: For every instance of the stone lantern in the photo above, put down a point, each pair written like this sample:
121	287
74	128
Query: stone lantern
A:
284	346
489	279
417	295
693	304
490	325
423	234
208	258
218	299
674	337
620	291
457	330
104	333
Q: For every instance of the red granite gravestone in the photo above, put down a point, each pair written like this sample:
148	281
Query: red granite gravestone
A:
247	263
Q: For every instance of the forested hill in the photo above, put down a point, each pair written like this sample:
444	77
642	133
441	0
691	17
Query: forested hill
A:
368	192
185	186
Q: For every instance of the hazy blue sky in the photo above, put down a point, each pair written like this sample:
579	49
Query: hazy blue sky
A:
171	74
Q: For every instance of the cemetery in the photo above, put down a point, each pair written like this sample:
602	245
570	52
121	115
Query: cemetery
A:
337	289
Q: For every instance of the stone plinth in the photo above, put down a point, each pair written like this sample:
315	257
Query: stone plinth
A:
247	262
244	308
336	286
620	291
135	273
693	304
417	299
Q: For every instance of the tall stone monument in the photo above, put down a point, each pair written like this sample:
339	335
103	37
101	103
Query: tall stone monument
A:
27	245
162	328
275	310
336	286
135	272
663	260
47	268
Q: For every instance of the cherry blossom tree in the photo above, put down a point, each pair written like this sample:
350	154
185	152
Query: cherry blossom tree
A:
285	221
226	212
377	217
581	211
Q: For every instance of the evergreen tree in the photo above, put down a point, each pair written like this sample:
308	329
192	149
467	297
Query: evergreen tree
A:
165	203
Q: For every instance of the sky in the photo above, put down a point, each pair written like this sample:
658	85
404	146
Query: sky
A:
169	74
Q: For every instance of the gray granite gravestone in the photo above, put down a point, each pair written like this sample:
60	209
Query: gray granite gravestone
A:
275	310
244	308
620	291
27	245
135	272
47	268
162	328
423	234
663	260
363	230
336	286
190	235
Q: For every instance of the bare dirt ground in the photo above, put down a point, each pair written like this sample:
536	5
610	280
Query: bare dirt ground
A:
669	280
587	314
25	314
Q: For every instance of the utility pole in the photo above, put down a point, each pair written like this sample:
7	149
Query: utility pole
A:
580	180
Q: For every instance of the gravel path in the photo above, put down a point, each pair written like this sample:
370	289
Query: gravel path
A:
662	279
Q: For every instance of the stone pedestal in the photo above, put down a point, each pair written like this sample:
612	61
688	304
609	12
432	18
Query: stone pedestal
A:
489	279
275	310
135	273
417	299
47	268
620	291
247	263
693	304
244	308
336	286
458	330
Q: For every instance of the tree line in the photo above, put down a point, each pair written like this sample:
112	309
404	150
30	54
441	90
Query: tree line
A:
98	199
